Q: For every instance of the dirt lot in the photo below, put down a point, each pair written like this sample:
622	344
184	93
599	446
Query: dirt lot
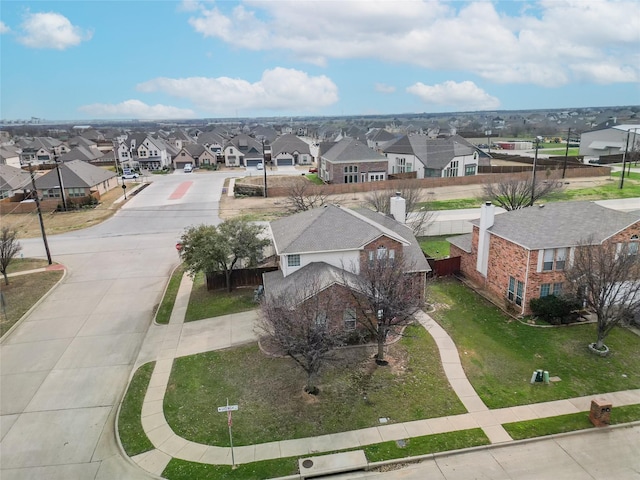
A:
260	208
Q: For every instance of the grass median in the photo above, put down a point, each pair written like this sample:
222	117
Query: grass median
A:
132	436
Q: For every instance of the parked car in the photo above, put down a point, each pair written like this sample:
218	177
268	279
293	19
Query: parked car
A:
129	174
188	168
260	166
313	170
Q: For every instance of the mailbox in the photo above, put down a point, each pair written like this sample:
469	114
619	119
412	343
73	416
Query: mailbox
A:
600	414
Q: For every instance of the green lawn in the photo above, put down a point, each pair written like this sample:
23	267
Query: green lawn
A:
436	246
313	178
169	298
132	436
183	470
269	392
205	303
499	354
568	423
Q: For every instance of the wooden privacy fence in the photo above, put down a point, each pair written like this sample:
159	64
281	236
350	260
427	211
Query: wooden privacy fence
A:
242	277
444	267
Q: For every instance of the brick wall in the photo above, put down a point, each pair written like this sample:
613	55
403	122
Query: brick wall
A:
336	170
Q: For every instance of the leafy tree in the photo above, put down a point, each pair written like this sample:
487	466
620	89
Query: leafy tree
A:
607	276
512	193
418	215
386	287
9	248
207	248
300	324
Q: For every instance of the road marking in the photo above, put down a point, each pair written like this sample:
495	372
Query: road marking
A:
179	192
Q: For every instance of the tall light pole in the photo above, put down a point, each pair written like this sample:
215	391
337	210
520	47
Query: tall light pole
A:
533	180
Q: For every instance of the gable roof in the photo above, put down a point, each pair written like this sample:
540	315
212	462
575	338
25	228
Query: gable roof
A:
332	228
560	224
81	153
75	174
351	150
431	152
12	178
289	143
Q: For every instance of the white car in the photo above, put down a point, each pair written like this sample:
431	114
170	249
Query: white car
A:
259	166
128	175
188	168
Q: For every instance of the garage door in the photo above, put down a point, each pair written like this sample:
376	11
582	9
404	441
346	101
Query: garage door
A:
285	162
180	165
252	162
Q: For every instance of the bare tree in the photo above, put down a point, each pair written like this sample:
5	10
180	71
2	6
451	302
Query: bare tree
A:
418	214
303	196
9	248
512	193
300	324
607	277
389	289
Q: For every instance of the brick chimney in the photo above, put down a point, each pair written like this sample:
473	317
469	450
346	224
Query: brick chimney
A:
487	216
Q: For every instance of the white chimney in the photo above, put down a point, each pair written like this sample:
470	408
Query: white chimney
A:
398	208
487	216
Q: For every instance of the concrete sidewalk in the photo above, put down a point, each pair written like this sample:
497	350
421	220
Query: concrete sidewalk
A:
166	342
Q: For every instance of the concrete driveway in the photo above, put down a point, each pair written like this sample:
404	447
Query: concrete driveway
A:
65	368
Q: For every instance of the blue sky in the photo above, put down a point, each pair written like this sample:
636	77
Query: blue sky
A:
75	60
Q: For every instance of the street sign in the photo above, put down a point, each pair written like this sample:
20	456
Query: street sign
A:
228	408
124	187
179	247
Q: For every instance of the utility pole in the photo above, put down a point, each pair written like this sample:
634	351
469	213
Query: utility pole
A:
533	181
64	201
264	169
44	235
624	159
566	154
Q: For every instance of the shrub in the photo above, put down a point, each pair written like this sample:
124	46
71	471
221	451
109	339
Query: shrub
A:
555	310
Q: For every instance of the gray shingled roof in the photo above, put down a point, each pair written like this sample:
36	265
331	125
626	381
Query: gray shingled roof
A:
560	224
350	150
316	277
432	152
75	174
462	241
289	143
332	228
12	178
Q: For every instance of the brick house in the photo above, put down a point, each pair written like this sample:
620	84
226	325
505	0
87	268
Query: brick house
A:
329	247
351	161
522	254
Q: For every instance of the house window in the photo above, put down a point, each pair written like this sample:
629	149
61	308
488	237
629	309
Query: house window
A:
545	290
551	256
351	174
633	245
557	289
293	260
51	193
452	169
469	170
514	293
321	319
349	318
76	192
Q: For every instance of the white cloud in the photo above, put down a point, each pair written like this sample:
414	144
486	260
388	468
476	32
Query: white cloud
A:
540	45
278	89
136	109
383	88
51	30
4	28
457	95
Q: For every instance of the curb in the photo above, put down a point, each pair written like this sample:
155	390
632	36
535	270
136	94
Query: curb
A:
34	306
164	293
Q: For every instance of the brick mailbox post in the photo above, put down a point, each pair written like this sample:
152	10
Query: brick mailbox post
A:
600	414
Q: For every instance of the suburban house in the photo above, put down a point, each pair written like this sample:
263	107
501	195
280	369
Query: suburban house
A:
522	254
242	151
330	245
196	155
10	155
351	161
78	179
378	138
13	181
40	150
154	153
289	150
214	143
433	157
610	140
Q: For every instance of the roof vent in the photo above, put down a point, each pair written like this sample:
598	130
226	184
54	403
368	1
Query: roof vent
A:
398	194
487	203
541	205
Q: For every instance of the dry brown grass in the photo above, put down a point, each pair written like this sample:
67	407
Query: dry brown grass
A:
22	293
28	226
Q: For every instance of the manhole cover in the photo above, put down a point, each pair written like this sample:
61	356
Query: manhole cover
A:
307	463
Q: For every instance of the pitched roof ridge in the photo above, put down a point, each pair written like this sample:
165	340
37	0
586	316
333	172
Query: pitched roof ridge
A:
382	228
